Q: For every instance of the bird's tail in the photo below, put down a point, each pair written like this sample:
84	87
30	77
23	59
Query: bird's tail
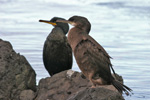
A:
120	87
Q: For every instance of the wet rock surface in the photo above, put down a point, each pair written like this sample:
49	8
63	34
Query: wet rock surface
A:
16	74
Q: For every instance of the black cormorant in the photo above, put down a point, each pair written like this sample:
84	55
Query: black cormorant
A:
90	56
57	53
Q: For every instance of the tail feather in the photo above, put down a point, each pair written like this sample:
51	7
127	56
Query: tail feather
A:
113	70
120	87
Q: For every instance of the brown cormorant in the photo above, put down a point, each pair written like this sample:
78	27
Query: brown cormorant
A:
90	56
57	53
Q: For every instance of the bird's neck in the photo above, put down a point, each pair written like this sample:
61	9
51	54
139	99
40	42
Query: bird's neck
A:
74	36
63	27
56	34
85	28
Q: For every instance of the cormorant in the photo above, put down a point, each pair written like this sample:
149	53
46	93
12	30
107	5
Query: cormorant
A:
57	53
92	59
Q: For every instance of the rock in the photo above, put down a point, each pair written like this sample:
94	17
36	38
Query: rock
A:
60	86
16	74
72	84
99	93
27	95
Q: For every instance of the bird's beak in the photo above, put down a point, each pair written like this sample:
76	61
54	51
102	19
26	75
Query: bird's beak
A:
66	21
45	21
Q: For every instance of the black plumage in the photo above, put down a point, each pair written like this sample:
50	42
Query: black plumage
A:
57	53
90	56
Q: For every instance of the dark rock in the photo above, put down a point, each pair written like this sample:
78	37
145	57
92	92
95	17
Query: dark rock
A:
100	93
67	84
16	74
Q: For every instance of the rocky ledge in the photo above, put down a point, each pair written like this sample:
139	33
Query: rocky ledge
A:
18	82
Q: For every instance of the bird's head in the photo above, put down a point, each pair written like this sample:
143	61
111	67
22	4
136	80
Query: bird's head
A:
79	22
53	21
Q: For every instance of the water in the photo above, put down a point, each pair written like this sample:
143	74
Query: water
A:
122	27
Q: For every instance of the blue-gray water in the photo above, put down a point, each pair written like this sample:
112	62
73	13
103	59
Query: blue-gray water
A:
122	27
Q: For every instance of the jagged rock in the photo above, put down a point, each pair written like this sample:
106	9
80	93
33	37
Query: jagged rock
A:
16	74
67	84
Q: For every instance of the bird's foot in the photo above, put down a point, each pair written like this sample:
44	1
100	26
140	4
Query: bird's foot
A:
93	86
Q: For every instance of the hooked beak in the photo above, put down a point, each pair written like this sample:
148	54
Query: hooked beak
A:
49	22
66	21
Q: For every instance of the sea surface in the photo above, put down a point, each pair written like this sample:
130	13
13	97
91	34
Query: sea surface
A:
122	27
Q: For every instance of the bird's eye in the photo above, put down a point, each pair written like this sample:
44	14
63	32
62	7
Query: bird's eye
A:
54	20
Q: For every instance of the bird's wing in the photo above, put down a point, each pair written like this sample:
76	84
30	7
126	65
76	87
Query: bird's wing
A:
103	51
99	46
89	53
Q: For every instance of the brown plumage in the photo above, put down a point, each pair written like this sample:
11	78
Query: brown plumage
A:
90	56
